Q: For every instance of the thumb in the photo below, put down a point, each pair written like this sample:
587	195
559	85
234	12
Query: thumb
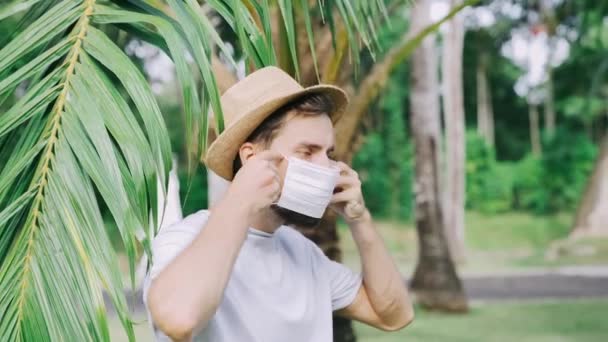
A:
271	156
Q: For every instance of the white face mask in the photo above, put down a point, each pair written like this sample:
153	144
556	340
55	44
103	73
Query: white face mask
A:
308	187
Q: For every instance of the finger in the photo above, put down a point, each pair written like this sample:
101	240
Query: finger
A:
344	196
273	191
342	165
345	181
275	170
345	169
277	178
270	176
270	155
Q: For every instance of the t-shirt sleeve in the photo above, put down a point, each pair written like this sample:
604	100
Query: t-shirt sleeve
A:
343	282
171	241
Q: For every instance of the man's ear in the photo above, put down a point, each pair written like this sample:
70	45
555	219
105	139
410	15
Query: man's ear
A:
246	151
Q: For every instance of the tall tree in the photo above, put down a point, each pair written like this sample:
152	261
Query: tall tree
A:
435	281
534	119
592	214
455	143
549	21
588	59
485	109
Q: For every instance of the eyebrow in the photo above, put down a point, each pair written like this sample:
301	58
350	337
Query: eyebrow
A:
316	146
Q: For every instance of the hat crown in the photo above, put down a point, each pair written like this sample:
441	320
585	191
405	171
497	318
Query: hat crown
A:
263	86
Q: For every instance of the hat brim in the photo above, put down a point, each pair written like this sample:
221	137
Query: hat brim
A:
222	152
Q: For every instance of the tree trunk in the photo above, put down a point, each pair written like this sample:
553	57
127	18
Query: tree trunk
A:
435	282
592	214
485	110
550	20
549	105
534	130
453	110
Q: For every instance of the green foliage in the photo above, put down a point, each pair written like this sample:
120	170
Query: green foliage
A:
385	159
488	183
546	184
193	190
567	162
371	163
386	175
398	149
555	181
527	194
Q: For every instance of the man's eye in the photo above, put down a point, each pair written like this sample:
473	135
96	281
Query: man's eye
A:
305	153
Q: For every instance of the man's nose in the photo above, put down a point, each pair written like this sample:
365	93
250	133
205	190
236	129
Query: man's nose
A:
323	160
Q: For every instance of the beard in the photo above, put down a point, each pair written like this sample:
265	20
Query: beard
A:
293	218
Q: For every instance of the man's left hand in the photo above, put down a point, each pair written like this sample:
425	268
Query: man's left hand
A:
347	200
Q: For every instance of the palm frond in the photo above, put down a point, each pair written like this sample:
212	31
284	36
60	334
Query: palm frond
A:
11	8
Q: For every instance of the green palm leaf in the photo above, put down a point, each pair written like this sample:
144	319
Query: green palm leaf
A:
86	131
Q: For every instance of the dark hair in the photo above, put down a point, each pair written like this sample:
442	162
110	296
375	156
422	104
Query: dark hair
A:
308	105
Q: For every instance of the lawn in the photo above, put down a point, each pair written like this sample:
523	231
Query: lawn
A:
576	321
495	243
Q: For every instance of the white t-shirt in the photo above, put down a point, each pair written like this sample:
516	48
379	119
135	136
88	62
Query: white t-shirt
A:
282	286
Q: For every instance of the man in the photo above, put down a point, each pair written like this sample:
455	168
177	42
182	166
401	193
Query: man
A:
237	272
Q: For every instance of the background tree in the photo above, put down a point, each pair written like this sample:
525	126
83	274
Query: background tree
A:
435	282
455	143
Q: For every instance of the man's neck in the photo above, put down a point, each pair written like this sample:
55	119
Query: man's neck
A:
267	221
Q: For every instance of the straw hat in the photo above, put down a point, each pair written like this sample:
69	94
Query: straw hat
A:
247	103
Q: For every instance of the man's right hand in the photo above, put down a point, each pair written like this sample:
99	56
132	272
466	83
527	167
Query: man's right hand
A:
257	184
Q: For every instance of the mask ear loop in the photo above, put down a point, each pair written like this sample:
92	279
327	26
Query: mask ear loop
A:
281	192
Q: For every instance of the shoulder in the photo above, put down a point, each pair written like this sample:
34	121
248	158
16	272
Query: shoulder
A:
172	239
183	230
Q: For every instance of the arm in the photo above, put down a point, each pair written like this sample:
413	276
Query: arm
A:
383	299
186	294
178	313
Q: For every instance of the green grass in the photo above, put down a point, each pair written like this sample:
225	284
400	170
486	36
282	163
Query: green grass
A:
495	243
514	230
576	321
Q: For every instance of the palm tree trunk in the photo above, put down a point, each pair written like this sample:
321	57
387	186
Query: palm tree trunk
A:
592	214
485	111
550	20
549	106
453	109
435	282
534	130
375	80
